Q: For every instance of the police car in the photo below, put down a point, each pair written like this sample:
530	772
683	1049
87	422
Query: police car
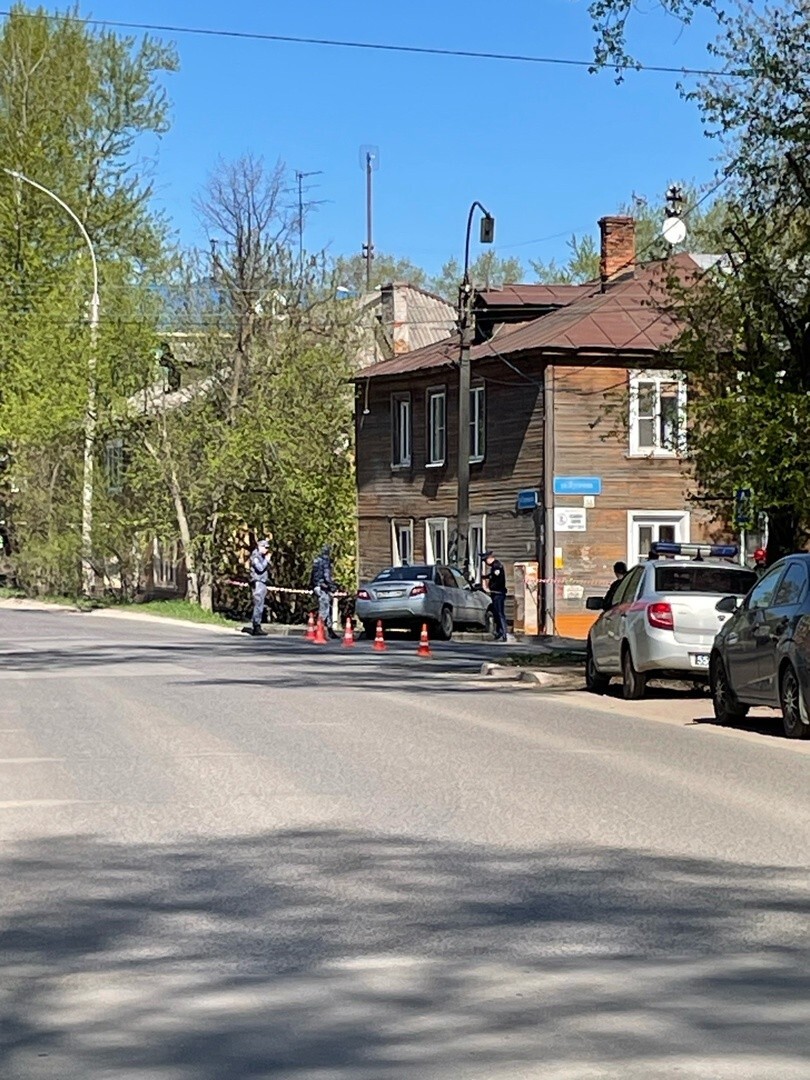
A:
663	618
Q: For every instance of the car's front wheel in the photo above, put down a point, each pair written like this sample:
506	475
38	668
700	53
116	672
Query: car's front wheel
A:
791	701
727	709
444	629
595	681
634	683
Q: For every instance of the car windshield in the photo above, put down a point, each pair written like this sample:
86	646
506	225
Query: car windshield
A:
406	573
722	580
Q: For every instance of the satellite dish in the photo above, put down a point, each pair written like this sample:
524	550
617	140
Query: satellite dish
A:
674	231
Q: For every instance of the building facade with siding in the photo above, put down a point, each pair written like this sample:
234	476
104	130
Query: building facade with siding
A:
571	400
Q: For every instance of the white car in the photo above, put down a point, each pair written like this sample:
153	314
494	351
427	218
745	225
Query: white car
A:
663	618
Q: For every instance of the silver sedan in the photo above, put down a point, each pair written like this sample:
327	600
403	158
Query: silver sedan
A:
405	597
661	622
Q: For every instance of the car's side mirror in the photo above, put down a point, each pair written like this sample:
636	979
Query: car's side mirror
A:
595	603
728	604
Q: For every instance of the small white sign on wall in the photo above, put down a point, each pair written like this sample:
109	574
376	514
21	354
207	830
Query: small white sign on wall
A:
573	592
570	519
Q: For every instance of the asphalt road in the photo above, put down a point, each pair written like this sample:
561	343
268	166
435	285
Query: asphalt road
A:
228	859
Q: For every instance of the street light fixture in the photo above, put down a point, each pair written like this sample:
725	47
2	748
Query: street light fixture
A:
90	415
465	328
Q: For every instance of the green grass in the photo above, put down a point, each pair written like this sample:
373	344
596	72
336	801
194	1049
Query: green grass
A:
180	609
11	594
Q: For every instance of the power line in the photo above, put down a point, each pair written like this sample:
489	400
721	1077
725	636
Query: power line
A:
419	50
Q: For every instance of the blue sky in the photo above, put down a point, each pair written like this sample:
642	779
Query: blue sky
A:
547	149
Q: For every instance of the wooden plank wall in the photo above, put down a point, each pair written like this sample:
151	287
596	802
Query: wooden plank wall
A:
513	460
584	400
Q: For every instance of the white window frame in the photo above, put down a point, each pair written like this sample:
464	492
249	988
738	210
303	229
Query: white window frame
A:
658	379
680	519
477	521
401	447
400	526
434	458
438	524
478	424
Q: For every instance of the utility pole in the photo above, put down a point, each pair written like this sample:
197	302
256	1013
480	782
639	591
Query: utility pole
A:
370	161
465	329
91	409
300	177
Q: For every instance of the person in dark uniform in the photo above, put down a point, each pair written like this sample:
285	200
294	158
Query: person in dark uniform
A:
259	576
323	585
495	584
620	570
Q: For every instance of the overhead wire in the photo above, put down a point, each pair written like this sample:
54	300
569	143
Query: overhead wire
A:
341	43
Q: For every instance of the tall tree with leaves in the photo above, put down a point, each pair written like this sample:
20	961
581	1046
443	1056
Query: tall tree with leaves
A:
75	105
746	343
259	435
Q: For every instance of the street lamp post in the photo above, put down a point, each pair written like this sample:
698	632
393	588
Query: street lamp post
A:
465	328
90	415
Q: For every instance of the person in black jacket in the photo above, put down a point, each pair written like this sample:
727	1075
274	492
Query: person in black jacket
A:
323	585
495	584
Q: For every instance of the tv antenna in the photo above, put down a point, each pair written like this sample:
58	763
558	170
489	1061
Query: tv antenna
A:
674	228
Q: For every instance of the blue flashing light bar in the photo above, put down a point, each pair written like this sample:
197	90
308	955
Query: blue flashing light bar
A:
699	551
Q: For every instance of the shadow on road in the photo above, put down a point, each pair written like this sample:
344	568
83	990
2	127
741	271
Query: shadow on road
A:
342	954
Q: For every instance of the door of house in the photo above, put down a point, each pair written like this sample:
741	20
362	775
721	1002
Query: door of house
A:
645	527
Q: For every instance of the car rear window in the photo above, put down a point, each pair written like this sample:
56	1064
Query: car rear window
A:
406	573
725	580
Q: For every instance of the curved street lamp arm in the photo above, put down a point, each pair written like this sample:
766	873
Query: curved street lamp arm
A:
486	213
79	224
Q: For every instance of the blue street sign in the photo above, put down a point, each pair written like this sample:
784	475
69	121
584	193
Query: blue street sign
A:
577	485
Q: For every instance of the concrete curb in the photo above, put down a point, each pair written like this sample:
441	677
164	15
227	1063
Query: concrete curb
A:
533	676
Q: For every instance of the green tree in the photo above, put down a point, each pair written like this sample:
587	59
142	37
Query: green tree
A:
258	439
350	271
75	105
746	339
487	271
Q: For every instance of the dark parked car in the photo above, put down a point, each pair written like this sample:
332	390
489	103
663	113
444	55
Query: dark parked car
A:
762	654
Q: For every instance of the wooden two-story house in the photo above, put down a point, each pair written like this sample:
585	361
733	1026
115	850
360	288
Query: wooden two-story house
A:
577	436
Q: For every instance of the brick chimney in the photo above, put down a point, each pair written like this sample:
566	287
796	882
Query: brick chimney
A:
618	255
394	316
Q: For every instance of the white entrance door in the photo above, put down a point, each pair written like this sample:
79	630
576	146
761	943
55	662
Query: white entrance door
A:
646	527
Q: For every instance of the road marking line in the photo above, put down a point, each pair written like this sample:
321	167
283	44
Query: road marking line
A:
27	760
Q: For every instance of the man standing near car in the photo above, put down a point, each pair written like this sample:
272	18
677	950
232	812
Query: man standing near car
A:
495	585
620	572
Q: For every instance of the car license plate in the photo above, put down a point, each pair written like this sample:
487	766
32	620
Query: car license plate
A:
700	660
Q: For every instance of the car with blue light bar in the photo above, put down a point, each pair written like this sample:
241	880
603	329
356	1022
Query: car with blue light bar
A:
662	619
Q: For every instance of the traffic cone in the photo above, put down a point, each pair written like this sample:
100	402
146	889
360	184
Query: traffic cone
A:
424	644
320	636
348	635
379	640
311	626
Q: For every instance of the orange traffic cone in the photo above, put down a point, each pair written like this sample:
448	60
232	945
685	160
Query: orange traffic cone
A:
348	635
311	626
379	640
320	636
424	644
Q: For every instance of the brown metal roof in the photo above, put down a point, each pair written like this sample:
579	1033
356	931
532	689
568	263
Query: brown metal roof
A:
631	316
439	354
517	295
